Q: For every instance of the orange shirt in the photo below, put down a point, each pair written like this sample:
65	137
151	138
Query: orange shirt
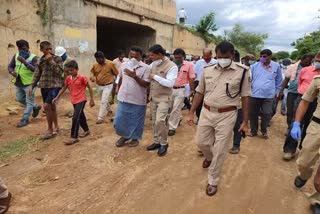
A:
306	77
186	73
104	74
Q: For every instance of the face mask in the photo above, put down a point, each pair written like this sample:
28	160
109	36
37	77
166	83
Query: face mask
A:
224	62
317	65
133	62
24	54
178	62
263	60
64	56
251	62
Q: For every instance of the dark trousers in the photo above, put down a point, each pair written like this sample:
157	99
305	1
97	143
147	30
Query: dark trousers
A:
198	110
293	100
290	145
257	105
236	134
78	119
187	103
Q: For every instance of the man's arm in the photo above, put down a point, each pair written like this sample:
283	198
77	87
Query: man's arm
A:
134	76
301	111
36	76
278	79
196	102
283	86
56	65
91	94
114	69
60	93
32	65
12	66
170	78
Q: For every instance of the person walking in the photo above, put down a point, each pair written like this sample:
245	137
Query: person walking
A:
221	87
163	76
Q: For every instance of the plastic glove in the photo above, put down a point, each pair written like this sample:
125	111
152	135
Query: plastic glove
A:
296	131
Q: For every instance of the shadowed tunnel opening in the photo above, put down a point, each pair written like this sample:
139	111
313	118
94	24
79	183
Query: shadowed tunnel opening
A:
114	35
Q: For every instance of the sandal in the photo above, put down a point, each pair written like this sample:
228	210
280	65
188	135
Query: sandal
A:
47	136
133	143
56	131
71	142
5	203
84	134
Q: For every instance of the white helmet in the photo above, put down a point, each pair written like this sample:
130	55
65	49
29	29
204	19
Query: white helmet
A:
59	51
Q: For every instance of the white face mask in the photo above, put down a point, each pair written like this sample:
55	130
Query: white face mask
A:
132	63
224	62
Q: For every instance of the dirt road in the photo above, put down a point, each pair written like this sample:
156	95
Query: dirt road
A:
96	177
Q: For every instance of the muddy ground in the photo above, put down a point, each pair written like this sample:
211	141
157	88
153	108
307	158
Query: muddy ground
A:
96	177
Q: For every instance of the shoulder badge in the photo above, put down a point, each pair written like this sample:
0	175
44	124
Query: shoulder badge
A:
242	66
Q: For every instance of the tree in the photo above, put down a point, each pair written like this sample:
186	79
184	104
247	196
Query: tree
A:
294	55
282	55
206	27
246	42
308	44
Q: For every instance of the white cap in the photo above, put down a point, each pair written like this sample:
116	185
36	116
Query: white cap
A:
59	51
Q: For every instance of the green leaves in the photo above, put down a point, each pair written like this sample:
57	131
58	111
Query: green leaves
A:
206	27
308	44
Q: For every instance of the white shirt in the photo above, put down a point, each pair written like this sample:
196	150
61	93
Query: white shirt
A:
182	14
199	67
170	77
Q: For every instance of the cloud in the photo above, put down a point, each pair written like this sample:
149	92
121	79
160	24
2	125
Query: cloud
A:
283	20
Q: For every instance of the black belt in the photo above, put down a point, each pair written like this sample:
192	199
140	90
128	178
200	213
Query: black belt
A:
105	84
315	119
177	87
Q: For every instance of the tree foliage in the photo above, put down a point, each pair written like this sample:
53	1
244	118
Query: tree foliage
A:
246	42
282	55
206	27
308	44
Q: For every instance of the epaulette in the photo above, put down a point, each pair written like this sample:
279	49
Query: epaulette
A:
242	66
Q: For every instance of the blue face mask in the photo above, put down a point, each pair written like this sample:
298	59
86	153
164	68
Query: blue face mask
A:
64	56
251	62
317	65
24	54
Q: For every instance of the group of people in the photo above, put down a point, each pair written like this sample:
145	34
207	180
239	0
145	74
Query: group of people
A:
228	93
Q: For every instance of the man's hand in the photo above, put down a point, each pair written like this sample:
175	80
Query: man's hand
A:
30	92
131	74
190	119
91	103
48	56
55	100
22	60
151	76
13	73
280	95
243	127
296	131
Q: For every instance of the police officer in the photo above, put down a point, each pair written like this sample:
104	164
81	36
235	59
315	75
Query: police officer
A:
309	154
220	86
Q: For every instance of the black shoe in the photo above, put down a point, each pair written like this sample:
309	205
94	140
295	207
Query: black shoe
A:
315	208
298	182
163	150
153	146
171	132
121	142
36	111
22	123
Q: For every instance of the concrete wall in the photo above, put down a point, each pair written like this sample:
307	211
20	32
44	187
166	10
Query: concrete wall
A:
188	41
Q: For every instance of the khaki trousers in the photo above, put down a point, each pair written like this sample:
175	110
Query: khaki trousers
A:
178	96
309	155
105	92
214	134
3	190
160	113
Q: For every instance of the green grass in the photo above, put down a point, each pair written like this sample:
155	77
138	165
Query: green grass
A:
16	147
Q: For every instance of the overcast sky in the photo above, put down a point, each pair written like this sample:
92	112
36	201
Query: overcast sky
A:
283	20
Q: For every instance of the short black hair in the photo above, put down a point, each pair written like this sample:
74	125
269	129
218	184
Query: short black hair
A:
21	43
236	56
44	43
225	47
307	56
157	49
179	51
266	51
138	50
72	64
120	52
99	54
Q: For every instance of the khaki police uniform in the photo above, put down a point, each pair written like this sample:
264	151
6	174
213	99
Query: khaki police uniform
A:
310	152
219	112
161	99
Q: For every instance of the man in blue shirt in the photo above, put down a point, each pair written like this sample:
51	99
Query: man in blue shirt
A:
266	83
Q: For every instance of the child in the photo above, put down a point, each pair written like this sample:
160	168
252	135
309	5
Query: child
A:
77	84
48	77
